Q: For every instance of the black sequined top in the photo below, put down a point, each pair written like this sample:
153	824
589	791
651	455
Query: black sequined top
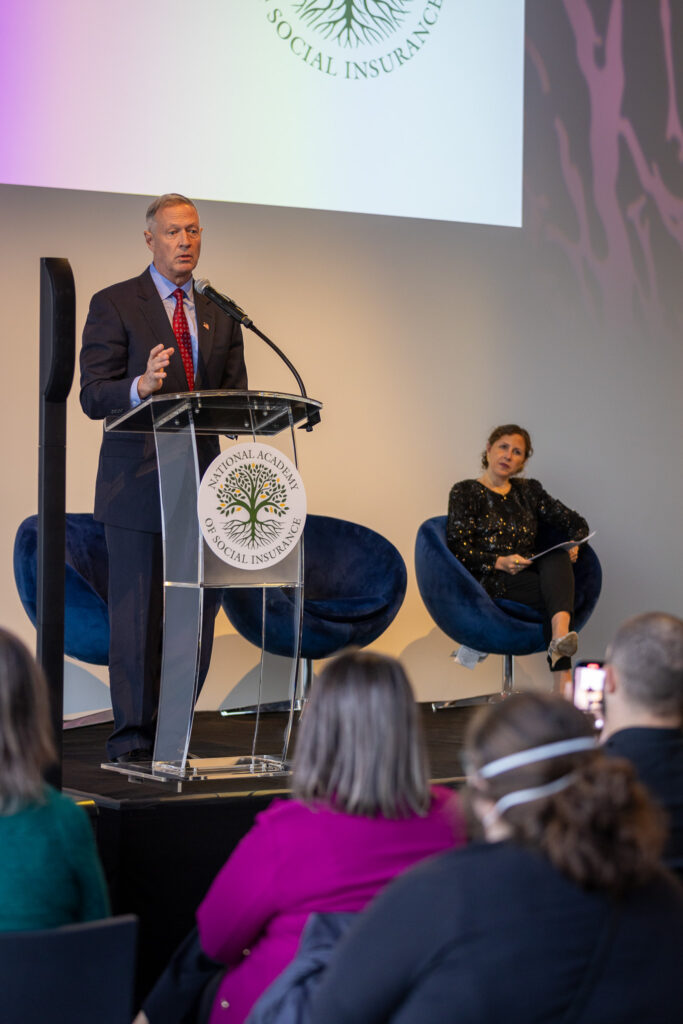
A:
483	524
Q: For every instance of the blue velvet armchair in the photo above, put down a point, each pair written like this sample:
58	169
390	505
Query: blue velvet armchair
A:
461	607
354	584
86	620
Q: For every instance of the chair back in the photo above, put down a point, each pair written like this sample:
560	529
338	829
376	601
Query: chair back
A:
464	611
354	584
86	620
77	974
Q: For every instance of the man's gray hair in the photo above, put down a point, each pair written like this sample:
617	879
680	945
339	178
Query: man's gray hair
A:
359	747
647	653
168	199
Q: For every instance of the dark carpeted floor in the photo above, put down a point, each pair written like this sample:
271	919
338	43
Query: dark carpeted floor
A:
216	736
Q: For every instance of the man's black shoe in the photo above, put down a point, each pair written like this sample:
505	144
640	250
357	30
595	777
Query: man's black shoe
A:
139	754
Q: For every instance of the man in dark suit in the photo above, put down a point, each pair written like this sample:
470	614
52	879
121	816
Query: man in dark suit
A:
151	334
644	713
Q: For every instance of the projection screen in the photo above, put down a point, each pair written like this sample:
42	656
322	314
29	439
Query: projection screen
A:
404	107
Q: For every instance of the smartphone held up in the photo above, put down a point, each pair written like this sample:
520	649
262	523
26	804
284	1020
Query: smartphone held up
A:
588	691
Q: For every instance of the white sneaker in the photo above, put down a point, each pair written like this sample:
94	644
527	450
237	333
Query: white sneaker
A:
563	647
468	657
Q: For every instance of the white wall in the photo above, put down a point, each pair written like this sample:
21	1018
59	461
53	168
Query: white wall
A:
418	337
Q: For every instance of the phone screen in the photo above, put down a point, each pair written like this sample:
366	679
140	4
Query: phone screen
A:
589	688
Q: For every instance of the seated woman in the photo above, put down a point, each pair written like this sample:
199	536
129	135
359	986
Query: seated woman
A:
492	527
562	914
362	813
50	873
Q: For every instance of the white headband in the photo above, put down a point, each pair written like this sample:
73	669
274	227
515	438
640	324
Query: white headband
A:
525	796
533	754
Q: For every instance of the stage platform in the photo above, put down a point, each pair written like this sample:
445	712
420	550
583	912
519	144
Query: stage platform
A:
161	848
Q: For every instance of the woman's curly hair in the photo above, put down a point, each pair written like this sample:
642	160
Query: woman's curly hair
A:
602	830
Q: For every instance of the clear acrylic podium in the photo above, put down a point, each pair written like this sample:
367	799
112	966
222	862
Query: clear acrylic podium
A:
190	565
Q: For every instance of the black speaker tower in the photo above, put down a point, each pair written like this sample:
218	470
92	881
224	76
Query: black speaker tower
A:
57	358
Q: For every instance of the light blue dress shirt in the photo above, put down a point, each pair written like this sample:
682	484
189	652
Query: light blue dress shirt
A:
166	289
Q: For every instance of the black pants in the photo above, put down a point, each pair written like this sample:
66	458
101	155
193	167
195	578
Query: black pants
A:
547	585
136	609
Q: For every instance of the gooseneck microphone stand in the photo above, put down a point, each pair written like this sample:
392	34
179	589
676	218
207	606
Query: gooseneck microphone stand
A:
237	313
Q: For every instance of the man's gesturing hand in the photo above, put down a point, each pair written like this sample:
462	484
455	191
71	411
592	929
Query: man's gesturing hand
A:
153	377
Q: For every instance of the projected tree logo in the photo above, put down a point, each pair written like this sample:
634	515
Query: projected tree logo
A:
354	40
254	501
354	22
251	505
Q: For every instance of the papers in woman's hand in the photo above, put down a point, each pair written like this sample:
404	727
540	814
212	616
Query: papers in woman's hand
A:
565	545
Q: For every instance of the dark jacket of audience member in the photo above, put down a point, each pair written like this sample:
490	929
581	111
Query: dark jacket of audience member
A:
563	914
657	756
363	812
644	713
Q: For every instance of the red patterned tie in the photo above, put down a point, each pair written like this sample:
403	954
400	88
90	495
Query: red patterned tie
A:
182	334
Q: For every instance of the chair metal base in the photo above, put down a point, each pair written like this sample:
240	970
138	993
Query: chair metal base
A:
508	688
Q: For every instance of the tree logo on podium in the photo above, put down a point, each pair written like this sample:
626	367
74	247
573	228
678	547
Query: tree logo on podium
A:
251	506
254	501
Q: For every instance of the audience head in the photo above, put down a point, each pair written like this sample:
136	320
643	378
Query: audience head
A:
359	747
644	673
586	812
507	430
26	746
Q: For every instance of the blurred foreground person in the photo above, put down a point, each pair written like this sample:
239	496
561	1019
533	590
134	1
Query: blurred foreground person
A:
644	713
563	913
50	873
362	813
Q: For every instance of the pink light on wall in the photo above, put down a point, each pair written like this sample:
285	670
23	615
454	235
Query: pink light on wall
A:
625	188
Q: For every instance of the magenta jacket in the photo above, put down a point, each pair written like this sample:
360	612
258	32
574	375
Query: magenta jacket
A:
298	859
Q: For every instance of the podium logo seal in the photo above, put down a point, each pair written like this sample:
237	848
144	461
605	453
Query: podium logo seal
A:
251	506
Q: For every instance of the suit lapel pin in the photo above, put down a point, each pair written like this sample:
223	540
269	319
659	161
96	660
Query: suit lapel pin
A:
205	325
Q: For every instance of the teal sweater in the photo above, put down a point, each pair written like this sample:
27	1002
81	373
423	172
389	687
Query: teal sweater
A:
50	873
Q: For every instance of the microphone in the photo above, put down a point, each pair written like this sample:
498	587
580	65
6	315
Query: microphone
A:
223	302
232	309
